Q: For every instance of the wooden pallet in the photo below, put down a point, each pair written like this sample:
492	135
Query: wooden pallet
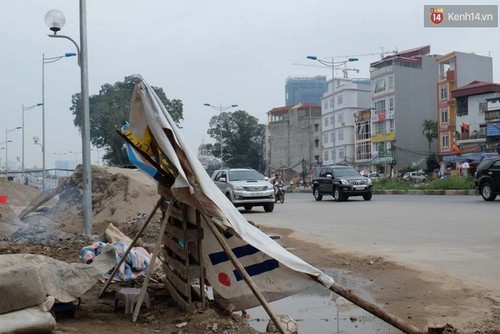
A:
182	257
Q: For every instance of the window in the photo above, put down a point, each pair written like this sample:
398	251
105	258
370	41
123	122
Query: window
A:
316	127
444	92
391	104
326	121
380	146
341	153
379	85
325	103
445	141
379	127
316	142
380	106
325	138
332	120
391	82
340	118
444	116
340	99
482	108
340	136
332	137
325	155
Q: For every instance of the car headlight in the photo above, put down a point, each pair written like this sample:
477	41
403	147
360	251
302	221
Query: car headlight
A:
238	187
344	182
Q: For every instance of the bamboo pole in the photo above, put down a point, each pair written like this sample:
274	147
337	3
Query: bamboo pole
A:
129	248
375	310
237	264
161	235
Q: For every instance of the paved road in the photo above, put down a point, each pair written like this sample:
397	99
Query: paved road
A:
459	235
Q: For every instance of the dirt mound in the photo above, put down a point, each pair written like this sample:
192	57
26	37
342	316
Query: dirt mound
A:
118	196
19	195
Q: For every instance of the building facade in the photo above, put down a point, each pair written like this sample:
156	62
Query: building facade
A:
304	90
456	69
471	105
492	119
343	99
363	139
403	97
294	143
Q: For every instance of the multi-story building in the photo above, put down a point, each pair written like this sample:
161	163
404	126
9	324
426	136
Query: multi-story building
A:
403	97
492	118
363	139
471	105
304	90
294	146
343	98
456	69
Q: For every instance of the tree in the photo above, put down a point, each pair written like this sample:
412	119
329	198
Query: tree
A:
242	139
430	131
109	110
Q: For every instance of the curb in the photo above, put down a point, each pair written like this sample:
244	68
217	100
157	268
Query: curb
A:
447	192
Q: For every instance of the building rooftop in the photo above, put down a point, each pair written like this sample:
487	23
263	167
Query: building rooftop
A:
476	88
300	106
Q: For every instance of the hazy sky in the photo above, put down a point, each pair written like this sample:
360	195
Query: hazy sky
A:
220	52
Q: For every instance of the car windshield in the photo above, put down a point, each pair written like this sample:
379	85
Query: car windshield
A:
346	172
247	175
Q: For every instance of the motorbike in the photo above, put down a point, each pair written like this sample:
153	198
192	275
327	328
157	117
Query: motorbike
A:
279	192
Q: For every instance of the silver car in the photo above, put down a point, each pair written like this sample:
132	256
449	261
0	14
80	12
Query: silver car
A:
245	187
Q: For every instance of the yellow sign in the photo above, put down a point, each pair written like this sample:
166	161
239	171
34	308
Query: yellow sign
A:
381	137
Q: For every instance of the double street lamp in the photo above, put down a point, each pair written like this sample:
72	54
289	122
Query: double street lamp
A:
7	141
55	21
332	63
221	109
23	110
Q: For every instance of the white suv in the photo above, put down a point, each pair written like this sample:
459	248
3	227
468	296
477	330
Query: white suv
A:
245	187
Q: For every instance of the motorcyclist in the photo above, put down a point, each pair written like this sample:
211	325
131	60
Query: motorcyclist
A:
277	181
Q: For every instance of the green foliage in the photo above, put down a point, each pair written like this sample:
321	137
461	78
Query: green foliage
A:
452	183
242	139
430	131
109	110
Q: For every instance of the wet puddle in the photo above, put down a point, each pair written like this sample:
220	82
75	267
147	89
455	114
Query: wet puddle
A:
318	310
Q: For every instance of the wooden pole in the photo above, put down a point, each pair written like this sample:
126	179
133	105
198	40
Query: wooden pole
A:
237	264
375	310
129	248
161	235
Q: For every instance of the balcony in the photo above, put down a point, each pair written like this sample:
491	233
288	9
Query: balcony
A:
450	75
492	115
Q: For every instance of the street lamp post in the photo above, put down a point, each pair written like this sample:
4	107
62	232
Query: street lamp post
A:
7	141
221	109
55	20
23	110
47	60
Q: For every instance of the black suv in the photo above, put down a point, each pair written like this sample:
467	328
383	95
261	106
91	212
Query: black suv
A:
487	178
340	182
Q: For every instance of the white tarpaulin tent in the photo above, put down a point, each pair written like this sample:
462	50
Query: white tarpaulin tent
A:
243	264
275	271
